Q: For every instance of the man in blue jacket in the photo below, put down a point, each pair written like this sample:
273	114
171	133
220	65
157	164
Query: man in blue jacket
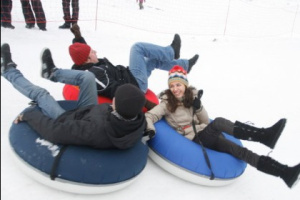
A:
103	126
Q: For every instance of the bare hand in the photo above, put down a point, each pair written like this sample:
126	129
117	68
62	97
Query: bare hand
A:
18	119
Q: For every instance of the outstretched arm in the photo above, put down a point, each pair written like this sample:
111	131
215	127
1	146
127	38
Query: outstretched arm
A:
75	29
154	115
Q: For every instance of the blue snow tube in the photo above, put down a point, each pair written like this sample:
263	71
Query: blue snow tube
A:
185	159
80	169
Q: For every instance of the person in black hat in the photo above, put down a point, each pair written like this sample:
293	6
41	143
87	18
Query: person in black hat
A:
103	126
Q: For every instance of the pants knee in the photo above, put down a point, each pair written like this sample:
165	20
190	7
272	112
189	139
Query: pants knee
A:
38	93
88	77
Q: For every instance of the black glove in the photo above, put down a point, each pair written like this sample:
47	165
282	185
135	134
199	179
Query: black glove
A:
197	101
149	104
149	133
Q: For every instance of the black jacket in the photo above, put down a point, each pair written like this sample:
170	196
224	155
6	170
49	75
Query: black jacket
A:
108	76
93	126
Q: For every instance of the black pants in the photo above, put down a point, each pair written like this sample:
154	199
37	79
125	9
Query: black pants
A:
6	6
211	137
67	12
37	7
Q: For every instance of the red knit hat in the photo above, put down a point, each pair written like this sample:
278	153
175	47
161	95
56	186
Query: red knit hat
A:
79	52
177	73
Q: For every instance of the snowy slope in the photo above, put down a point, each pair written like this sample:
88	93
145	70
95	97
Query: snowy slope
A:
243	79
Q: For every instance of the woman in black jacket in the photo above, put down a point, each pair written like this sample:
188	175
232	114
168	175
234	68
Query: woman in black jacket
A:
104	126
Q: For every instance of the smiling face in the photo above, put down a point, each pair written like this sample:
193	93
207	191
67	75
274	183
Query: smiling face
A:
177	89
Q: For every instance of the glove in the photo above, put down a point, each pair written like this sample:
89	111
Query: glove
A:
197	101
76	31
149	104
149	133
19	118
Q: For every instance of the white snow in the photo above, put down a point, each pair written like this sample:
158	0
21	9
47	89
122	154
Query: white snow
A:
244	78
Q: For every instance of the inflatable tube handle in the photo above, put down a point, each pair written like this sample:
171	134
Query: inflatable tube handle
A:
197	105
56	162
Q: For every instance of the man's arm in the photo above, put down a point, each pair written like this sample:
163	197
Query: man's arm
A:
77	34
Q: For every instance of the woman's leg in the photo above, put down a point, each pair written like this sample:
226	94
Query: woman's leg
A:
212	138
267	136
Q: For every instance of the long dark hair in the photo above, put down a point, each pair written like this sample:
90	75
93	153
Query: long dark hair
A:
173	102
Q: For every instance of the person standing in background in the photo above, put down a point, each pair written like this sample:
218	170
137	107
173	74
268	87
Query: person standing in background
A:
141	3
67	13
38	16
6	6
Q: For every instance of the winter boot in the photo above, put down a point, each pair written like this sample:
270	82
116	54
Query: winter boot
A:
266	136
29	26
66	25
192	62
48	66
6	61
290	175
176	45
7	25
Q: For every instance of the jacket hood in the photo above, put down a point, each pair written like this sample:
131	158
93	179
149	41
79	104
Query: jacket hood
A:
126	133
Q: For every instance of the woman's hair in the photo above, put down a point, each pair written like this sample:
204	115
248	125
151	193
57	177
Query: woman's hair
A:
173	102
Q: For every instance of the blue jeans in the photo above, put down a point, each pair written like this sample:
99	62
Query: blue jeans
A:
49	106
145	57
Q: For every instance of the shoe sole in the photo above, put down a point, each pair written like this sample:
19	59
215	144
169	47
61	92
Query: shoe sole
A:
41	57
274	141
295	181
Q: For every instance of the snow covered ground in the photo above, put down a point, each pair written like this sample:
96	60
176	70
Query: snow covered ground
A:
243	78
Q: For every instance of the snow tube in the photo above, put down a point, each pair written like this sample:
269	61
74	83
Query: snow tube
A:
71	92
79	169
184	158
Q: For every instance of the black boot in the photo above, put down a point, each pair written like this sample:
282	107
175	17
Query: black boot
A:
266	136
7	25
192	62
48	66
29	26
176	45
6	61
290	175
66	25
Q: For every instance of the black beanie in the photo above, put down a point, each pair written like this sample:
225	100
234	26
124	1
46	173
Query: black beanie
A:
129	100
